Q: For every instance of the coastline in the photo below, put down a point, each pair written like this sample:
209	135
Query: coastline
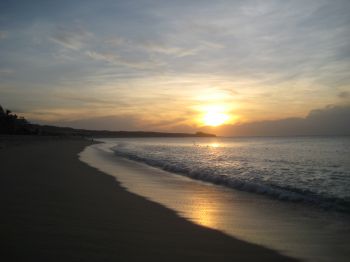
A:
293	229
57	208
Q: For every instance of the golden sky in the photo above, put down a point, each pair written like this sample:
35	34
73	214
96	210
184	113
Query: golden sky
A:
172	65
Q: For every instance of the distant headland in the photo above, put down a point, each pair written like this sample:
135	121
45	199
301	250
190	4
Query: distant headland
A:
11	124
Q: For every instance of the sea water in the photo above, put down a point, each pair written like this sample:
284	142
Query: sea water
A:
304	169
289	194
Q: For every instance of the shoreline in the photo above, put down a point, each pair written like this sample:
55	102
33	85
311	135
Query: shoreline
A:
57	208
294	230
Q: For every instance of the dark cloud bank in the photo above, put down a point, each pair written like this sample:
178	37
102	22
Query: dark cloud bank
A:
332	120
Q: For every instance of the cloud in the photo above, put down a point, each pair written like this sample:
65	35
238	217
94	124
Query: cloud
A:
72	38
331	120
6	71
124	122
115	41
269	59
107	57
3	35
114	123
168	49
90	100
344	94
116	59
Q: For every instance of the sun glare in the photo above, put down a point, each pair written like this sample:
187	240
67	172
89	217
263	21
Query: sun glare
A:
215	119
214	116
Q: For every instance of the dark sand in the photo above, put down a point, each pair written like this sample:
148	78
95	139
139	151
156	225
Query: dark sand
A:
56	208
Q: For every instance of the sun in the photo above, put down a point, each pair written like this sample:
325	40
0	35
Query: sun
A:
215	118
214	115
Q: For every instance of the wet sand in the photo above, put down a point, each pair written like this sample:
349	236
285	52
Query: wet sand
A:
56	208
294	229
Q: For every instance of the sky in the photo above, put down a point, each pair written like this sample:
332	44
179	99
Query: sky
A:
171	65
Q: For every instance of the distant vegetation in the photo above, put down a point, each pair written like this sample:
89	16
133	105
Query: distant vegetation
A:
12	124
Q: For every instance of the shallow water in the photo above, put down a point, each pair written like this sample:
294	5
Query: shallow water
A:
292	228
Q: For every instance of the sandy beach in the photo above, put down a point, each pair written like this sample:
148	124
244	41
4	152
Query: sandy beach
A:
56	208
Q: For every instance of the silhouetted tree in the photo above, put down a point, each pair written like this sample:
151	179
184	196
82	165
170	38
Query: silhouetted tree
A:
12	124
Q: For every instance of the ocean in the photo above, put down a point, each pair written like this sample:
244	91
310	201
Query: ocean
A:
291	194
303	169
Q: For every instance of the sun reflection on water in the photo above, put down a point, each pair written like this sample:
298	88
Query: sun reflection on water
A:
202	211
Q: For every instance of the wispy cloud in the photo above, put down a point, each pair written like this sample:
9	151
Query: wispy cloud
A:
264	59
6	71
72	38
115	41
3	35
116	59
168	50
114	122
344	94
90	99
